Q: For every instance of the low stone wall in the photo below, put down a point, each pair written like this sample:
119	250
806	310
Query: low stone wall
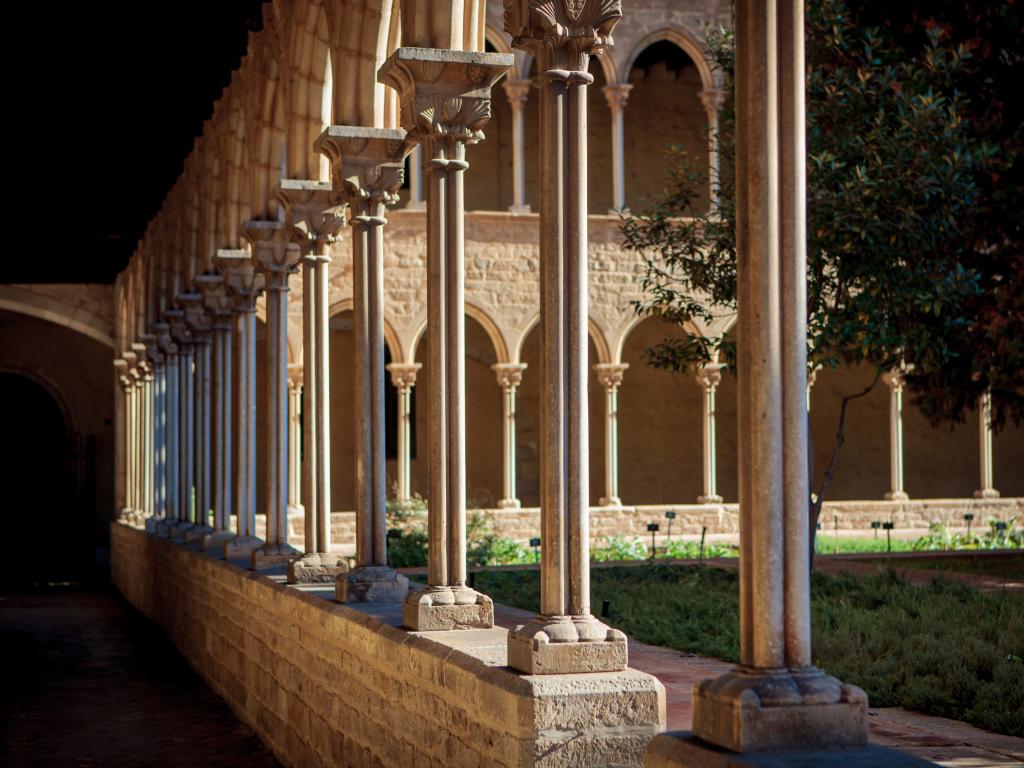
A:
522	524
327	684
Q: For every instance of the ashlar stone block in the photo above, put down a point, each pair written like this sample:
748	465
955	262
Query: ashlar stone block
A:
316	568
371	584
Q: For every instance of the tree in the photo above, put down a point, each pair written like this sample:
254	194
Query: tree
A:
895	171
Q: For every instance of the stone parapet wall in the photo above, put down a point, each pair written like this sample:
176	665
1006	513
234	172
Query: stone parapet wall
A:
523	524
325	684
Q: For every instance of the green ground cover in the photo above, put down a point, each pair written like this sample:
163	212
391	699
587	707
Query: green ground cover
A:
946	649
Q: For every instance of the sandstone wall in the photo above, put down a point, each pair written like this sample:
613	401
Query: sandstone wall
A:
326	685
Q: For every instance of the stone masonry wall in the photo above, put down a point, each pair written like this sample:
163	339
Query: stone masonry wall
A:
324	684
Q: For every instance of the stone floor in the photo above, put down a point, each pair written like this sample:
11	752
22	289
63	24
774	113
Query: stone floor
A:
88	682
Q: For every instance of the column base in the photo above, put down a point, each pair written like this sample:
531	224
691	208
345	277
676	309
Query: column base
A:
126	513
711	499
609	501
437	609
519	209
164	526
371	584
270	555
153	524
896	496
557	645
241	547
755	710
198	533
214	542
682	749
987	493
179	531
509	504
316	568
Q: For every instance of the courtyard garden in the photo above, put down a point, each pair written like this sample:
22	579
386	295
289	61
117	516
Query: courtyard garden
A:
945	648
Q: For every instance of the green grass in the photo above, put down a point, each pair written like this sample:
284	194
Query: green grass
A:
946	649
827	545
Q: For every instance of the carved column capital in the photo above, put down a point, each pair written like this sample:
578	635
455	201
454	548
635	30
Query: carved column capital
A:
196	318
367	164
713	101
175	318
403	375
163	338
562	34
444	96
272	252
295	376
617	94
241	277
509	375
610	374
313	214
710	376
517	91
895	377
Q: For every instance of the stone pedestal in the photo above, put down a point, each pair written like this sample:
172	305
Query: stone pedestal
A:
371	584
271	554
241	547
554	645
199	532
214	542
444	608
681	749
316	568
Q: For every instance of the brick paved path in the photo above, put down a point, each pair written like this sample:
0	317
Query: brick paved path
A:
87	682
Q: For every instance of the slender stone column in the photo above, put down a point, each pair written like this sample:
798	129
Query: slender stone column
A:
315	218
894	380
609	375
445	103
121	366
201	327
709	377
367	167
276	258
517	92
220	306
617	95
185	421
245	285
170	429
565	637
147	444
154	438
987	489
775	698
510	376
416	201
295	441
139	375
403	378
713	100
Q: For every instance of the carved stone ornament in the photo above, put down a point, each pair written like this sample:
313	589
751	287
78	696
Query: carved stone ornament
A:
366	163
314	215
562	33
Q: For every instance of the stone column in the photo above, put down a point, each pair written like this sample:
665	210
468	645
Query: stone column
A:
775	698
315	217
510	376
416	201
609	375
295	441
245	285
617	94
709	377
185	421
445	103
517	92
220	306
201	327
276	258
147	444
121	366
987	490
565	637
713	100
154	441
368	168
170	427
894	380
403	377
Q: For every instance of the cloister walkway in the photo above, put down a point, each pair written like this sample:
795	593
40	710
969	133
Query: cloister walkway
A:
88	682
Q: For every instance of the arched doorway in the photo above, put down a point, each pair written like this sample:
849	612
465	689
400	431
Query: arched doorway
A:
44	466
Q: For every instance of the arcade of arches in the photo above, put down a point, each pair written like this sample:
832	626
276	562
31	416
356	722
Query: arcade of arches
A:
340	300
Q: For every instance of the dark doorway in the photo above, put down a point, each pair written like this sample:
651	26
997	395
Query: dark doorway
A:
44	472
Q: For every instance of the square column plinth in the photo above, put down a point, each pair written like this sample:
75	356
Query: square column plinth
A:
316	568
442	608
371	584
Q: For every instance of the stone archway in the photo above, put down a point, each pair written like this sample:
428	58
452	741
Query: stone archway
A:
44	471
